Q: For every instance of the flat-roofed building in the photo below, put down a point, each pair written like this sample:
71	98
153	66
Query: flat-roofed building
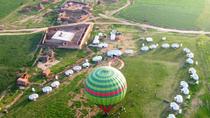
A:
71	37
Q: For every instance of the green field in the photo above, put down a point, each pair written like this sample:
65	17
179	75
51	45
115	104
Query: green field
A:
183	14
152	78
7	6
16	52
54	105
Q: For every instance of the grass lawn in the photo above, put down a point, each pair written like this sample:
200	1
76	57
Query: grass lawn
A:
7	6
53	105
204	109
67	57
103	8
152	78
184	14
16	52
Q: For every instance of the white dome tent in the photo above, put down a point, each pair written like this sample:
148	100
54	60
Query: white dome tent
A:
192	70
194	76
113	53
77	68
174	106
165	45
153	46
178	99
186	50
185	91
97	58
145	48
55	84
171	116
189	61
86	64
190	55
69	72
184	84
175	45
33	97
47	89
149	39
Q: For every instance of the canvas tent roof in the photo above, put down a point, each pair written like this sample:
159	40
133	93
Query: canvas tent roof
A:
77	68
144	48
186	50
175	45
184	84
153	46
189	61
190	55
55	84
171	116
69	72
174	106
195	76
165	45
86	64
185	91
47	89
192	70
33	96
115	52
97	58
178	98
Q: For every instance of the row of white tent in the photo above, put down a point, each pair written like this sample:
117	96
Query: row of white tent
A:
77	68
150	39
189	56
164	45
56	84
46	89
175	106
184	86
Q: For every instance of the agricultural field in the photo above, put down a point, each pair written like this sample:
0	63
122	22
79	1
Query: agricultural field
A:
108	6
16	53
8	6
184	14
153	79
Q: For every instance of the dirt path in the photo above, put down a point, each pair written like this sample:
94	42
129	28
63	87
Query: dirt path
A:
147	26
119	9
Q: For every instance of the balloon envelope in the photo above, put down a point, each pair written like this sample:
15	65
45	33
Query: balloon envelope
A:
105	86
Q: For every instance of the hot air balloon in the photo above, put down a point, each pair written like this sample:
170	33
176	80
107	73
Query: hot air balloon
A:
105	86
